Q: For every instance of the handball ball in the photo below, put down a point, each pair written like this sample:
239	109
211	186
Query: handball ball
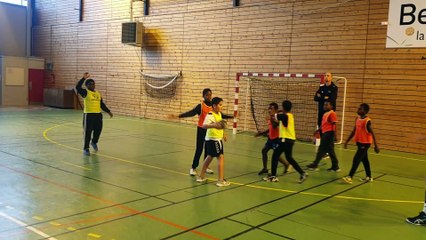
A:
223	123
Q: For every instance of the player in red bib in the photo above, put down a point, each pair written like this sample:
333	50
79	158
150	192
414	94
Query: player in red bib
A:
328	135
364	137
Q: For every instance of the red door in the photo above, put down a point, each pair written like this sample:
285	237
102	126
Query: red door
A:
35	85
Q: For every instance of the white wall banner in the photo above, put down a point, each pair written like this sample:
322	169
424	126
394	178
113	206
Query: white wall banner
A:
406	24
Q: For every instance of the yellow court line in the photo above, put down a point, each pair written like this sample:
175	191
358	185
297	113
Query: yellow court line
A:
235	183
75	165
103	155
308	144
381	154
327	195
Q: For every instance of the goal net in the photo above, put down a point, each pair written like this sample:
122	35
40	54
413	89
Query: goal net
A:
160	85
255	91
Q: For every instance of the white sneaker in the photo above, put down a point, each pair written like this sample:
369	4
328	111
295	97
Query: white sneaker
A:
271	179
209	171
201	180
366	179
223	183
192	172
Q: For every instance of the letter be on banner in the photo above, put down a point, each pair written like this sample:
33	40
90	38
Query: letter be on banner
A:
406	24
409	14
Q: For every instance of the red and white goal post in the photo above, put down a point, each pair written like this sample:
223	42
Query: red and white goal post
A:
254	92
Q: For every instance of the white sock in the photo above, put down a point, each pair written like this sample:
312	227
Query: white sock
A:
424	208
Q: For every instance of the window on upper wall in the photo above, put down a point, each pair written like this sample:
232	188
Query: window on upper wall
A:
17	2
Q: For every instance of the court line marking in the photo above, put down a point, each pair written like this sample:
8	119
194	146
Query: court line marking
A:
75	165
241	184
259	226
351	150
325	195
114	204
32	229
100	154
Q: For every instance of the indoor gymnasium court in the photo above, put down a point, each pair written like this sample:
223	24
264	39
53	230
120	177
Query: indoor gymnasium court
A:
150	61
137	186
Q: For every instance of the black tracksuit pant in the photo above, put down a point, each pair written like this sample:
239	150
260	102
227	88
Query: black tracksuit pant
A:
361	155
287	148
92	123
327	146
201	138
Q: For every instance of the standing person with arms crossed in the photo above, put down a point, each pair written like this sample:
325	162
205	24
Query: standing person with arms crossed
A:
92	117
201	110
214	142
364	137
327	92
273	140
328	135
287	135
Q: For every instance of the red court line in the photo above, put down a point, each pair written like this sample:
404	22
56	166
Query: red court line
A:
133	211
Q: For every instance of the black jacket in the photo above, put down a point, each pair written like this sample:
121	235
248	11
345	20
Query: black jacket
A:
328	94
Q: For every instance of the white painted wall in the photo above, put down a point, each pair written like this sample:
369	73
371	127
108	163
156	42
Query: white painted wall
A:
13	30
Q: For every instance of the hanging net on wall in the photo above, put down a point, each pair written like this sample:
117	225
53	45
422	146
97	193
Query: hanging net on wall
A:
160	85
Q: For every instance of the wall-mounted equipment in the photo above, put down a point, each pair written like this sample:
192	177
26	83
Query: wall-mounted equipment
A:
132	33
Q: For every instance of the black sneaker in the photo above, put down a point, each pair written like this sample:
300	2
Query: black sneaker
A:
418	220
334	169
94	146
312	167
263	171
86	152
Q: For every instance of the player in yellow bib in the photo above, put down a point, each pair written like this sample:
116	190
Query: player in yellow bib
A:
287	135
92	117
214	142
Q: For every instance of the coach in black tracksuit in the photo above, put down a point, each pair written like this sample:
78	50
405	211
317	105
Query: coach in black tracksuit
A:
326	93
92	118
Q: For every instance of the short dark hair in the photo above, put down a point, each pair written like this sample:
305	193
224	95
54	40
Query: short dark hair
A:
206	90
89	81
216	100
274	105
287	105
365	106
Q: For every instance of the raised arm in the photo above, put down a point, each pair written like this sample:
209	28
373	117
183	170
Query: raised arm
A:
79	88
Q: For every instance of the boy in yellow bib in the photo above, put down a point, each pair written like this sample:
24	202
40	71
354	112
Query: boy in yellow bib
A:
287	135
92	117
214	142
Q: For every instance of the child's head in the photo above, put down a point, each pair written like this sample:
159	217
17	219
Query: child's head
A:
363	109
328	106
90	84
217	104
273	108
287	106
207	94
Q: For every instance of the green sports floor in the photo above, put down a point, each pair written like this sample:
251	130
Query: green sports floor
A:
137	186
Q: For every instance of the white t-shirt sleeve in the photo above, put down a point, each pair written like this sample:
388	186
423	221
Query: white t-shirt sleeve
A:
209	119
